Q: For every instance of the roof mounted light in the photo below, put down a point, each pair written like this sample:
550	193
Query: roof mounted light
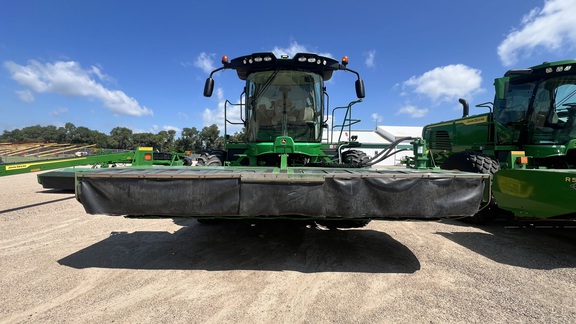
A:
258	59
267	59
344	60
224	59
302	59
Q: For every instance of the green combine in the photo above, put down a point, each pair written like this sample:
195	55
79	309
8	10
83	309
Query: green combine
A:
286	168
526	141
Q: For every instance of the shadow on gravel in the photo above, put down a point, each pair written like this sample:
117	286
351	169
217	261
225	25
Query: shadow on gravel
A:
270	246
544	246
55	191
36	205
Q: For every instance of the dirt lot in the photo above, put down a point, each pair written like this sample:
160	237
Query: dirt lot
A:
60	265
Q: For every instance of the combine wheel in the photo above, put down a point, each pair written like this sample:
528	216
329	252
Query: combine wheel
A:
214	161
354	157
187	161
345	223
209	160
478	163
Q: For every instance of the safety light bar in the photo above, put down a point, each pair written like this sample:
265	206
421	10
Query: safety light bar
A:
559	69
257	59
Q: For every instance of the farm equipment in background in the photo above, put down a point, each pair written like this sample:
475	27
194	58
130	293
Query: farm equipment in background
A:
286	168
64	178
526	141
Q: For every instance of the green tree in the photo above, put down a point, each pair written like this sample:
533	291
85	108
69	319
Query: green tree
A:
210	138
187	140
144	139
99	138
121	138
239	137
165	140
81	135
69	130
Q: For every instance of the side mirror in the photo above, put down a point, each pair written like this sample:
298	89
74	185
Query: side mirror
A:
208	87
360	92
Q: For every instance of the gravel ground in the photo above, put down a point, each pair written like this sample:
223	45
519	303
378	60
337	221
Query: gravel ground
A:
60	265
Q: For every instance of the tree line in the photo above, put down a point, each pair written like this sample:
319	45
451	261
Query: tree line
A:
191	139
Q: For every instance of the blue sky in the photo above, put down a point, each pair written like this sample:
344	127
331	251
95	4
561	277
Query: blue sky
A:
142	64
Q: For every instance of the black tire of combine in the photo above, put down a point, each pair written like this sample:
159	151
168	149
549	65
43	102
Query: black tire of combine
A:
344	223
354	157
209	160
213	160
477	163
187	161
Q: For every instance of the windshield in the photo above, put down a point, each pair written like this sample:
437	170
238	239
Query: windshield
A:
539	112
284	103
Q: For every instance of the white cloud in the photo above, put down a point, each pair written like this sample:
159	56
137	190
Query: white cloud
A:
446	83
182	116
168	127
412	111
25	95
70	79
294	49
58	111
552	28
216	115
370	58
376	117
205	62
103	77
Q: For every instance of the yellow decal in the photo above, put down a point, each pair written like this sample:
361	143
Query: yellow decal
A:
467	121
27	165
477	120
17	166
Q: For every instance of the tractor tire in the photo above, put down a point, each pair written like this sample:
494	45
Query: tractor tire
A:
354	157
187	161
345	223
214	161
477	163
471	162
209	160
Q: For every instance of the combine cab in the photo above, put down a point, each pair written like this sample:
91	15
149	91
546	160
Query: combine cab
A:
285	168
527	141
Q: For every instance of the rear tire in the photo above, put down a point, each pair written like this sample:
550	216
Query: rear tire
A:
477	163
209	160
354	157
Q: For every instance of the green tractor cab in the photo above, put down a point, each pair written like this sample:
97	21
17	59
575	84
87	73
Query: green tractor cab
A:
526	141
